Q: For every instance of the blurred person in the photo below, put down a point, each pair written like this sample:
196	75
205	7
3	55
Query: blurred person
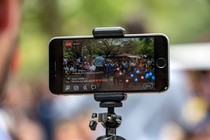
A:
195	112
135	26
28	129
198	108
172	131
9	27
67	130
84	119
19	96
6	125
44	107
72	129
20	113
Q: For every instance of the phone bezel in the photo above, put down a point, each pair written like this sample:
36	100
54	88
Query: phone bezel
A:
56	60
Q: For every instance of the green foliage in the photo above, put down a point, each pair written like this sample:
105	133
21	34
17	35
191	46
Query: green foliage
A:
68	53
180	20
146	46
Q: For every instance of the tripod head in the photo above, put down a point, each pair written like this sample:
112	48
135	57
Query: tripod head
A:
109	120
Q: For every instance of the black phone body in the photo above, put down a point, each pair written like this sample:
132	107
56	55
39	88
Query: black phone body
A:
137	63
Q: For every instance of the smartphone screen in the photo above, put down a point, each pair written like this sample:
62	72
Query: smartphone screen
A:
137	63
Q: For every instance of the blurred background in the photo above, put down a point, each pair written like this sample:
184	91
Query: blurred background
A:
28	110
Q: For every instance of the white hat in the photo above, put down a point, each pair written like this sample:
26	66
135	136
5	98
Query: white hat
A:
191	56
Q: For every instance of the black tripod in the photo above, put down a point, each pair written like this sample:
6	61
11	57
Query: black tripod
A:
109	120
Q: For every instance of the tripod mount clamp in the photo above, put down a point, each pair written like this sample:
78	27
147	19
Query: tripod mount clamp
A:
110	100
109	120
108	32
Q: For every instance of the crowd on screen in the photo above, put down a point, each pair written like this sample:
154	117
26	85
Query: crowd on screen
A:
137	69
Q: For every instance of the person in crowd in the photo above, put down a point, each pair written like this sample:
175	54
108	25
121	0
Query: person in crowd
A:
73	129
10	12
198	107
99	62
28	129
9	27
100	69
